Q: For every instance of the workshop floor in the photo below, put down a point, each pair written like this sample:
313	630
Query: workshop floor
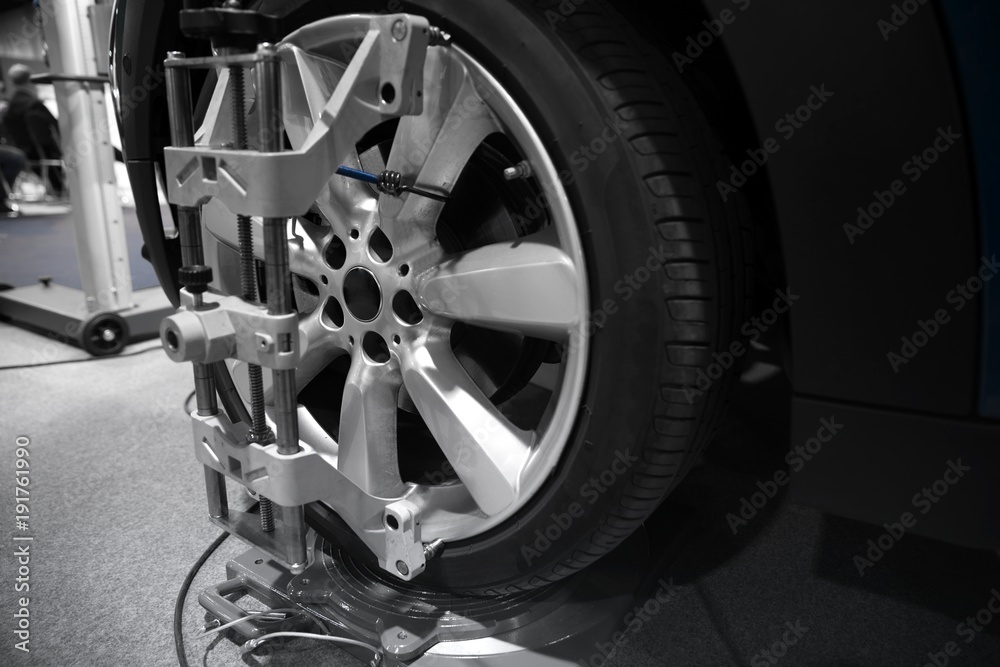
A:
42	242
117	517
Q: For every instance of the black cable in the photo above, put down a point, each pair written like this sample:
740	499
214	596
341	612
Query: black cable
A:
187	402
80	361
179	604
186	586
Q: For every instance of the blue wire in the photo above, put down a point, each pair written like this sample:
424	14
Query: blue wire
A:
358	174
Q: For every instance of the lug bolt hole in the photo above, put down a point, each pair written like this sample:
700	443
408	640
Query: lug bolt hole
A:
380	246
324	280
392	522
404	270
362	294
375	348
336	253
406	308
355	234
395	339
333	313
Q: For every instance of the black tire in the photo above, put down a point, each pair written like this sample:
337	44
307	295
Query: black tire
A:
650	193
104	334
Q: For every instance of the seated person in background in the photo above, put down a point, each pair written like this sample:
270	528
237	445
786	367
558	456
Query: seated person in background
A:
12	161
29	126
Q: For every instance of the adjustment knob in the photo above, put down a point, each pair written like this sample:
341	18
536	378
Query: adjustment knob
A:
195	278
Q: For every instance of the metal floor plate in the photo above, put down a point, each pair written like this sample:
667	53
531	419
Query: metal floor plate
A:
550	627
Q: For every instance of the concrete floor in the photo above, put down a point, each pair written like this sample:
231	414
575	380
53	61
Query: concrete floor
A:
117	516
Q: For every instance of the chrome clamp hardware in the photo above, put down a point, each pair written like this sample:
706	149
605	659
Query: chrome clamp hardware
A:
286	184
230	328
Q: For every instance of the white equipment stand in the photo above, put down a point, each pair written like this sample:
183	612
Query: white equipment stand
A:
106	314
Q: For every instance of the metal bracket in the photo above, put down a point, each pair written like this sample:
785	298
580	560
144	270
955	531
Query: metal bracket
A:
404	552
229	327
382	82
288	480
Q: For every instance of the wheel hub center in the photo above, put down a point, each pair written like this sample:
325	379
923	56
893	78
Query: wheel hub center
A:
362	294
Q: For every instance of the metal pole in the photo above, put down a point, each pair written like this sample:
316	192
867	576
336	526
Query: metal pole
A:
279	292
189	227
86	146
218	501
276	269
189	217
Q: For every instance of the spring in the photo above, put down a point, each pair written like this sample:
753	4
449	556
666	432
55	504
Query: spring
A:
390	182
266	515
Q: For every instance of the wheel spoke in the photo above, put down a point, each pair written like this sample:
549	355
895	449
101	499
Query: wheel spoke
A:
345	199
317	349
309	82
367	441
305	256
485	449
528	287
431	150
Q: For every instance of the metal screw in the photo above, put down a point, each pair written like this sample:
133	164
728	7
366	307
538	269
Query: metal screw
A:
520	170
402	635
259	430
403	569
399	30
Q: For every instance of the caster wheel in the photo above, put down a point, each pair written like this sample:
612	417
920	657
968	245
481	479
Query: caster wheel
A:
104	334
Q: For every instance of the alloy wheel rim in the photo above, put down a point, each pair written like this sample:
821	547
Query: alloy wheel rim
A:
386	293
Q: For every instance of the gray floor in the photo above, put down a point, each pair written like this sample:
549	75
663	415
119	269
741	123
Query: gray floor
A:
42	242
117	516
